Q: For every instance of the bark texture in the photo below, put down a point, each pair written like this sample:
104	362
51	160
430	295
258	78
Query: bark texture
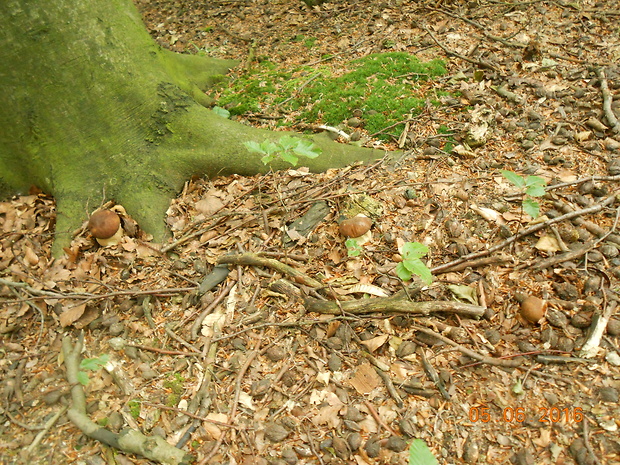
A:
93	109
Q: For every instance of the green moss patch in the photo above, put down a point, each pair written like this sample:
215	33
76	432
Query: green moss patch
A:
174	383
383	87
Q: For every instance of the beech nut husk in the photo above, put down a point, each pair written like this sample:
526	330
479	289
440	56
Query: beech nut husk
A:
533	309
356	226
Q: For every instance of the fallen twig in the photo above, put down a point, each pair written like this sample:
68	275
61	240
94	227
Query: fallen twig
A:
589	225
39	293
198	322
607	99
164	351
189	414
251	259
396	304
48	425
378	419
235	402
482	64
432	373
470	353
564	257
527	231
483	29
581	181
129	440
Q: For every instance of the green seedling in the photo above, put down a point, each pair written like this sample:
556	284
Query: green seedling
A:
90	364
135	407
531	186
412	265
221	111
420	454
288	149
354	249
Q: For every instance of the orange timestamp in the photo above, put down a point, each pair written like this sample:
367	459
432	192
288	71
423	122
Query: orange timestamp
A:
518	414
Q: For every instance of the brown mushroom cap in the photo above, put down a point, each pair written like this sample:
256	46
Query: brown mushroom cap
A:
356	226
103	224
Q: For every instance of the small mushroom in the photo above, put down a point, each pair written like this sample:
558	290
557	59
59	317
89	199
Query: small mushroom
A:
356	226
105	226
533	309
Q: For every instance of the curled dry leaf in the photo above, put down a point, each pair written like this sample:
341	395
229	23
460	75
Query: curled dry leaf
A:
488	214
367	289
30	257
548	244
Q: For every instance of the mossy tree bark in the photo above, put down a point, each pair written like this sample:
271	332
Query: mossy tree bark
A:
92	108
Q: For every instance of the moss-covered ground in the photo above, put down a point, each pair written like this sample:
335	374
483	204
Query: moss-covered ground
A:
378	90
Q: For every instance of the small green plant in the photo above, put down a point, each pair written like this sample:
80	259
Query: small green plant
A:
310	42
221	111
134	408
531	186
90	364
288	149
354	249
411	264
175	383
420	454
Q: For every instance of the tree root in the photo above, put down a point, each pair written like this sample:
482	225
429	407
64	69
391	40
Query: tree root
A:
129	440
252	259
395	304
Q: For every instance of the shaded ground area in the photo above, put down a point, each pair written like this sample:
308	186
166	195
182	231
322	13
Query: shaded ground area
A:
244	347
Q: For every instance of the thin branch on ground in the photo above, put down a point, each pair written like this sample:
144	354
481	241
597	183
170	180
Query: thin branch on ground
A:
394	304
48	425
235	401
130	441
527	231
164	351
470	353
38	293
482	64
252	259
379	420
189	414
483	29
198	322
607	100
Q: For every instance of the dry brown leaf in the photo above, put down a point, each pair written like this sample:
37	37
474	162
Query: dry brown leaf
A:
71	315
328	414
376	342
548	244
209	205
214	431
367	289
30	257
365	379
90	315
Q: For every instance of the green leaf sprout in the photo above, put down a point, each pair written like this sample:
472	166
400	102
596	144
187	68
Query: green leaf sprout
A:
412	265
531	186
288	149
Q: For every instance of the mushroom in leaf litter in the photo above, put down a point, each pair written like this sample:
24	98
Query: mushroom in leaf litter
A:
105	226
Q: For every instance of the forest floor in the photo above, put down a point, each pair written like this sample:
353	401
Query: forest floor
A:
251	351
